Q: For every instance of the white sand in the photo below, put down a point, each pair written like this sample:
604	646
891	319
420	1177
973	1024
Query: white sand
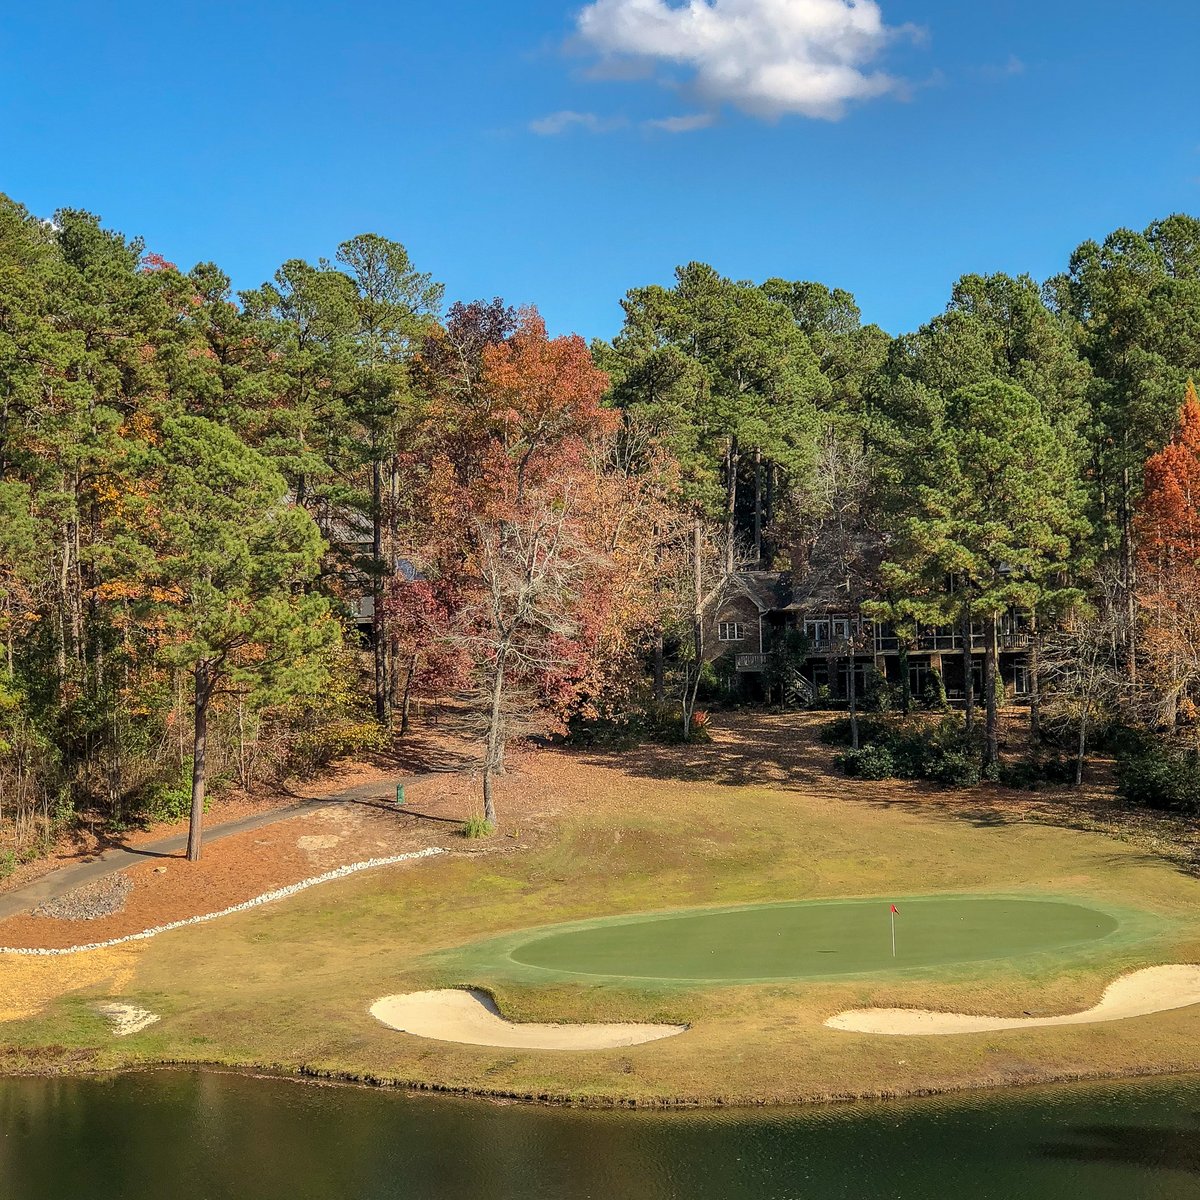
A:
472	1018
127	1018
1156	989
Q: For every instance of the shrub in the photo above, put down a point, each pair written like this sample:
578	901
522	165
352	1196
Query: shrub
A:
340	739
934	695
871	762
877	693
1032	774
1160	775
942	753
608	729
840	733
661	724
8	863
477	827
168	799
953	768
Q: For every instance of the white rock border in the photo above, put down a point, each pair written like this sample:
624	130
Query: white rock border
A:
267	898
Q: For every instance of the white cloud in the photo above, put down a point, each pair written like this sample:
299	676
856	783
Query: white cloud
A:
563	122
687	123
767	57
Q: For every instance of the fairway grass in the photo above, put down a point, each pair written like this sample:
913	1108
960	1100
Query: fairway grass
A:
289	987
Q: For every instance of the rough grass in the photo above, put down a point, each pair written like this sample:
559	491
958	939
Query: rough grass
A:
288	987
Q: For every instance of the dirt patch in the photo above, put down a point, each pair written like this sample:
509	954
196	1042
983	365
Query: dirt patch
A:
91	902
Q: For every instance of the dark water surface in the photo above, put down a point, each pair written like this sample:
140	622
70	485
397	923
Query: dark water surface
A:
171	1135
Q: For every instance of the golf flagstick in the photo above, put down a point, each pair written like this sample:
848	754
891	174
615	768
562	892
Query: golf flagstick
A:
895	912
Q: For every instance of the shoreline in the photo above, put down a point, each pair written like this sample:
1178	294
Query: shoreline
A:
315	1077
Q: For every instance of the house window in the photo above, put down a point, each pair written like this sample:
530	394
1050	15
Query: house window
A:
731	631
817	633
1021	681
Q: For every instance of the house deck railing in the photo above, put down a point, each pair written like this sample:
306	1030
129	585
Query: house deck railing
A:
749	664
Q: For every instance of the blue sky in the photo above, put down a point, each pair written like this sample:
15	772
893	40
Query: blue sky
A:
993	135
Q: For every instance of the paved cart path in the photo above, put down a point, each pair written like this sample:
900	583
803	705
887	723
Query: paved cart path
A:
58	882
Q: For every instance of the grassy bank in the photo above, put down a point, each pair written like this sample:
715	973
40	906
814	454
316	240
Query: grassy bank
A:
756	819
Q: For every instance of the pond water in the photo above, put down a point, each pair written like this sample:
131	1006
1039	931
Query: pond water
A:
200	1136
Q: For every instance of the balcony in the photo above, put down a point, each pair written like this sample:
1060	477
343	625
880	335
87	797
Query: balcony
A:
751	664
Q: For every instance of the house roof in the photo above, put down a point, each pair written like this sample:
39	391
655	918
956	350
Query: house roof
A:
766	590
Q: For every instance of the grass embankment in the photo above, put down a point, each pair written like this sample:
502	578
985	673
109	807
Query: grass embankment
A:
289	987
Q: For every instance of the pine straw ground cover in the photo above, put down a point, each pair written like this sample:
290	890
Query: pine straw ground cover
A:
757	818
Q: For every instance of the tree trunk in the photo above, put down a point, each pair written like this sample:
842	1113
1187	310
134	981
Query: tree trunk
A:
659	689
853	691
905	679
494	754
968	666
1035	688
382	698
770	514
406	704
1081	749
992	755
199	746
731	469
691	681
758	512
489	804
1129	582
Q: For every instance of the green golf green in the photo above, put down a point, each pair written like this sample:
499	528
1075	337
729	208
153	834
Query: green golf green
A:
794	941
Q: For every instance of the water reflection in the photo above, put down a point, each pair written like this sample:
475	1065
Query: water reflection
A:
196	1136
1163	1147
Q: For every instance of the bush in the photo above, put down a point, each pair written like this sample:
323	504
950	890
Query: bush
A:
340	739
168	799
840	732
871	762
8	863
1160	775
477	827
942	753
1032	774
661	724
877	692
934	695
953	769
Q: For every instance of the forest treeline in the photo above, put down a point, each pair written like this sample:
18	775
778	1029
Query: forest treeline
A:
241	534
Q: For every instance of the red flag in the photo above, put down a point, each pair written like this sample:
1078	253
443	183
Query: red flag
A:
895	910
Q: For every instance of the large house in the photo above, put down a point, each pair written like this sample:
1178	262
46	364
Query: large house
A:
747	615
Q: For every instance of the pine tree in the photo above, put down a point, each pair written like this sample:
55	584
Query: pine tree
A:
998	519
223	560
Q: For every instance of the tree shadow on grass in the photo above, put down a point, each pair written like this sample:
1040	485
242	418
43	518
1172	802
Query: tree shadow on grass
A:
783	752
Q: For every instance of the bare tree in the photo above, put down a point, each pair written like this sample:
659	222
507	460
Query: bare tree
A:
1081	665
702	582
532	568
839	546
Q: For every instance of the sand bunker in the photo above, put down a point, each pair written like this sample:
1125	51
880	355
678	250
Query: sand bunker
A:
472	1018
1156	989
127	1019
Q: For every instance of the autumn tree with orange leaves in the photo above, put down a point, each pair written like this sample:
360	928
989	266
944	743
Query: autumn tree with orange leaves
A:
533	533
1168	541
